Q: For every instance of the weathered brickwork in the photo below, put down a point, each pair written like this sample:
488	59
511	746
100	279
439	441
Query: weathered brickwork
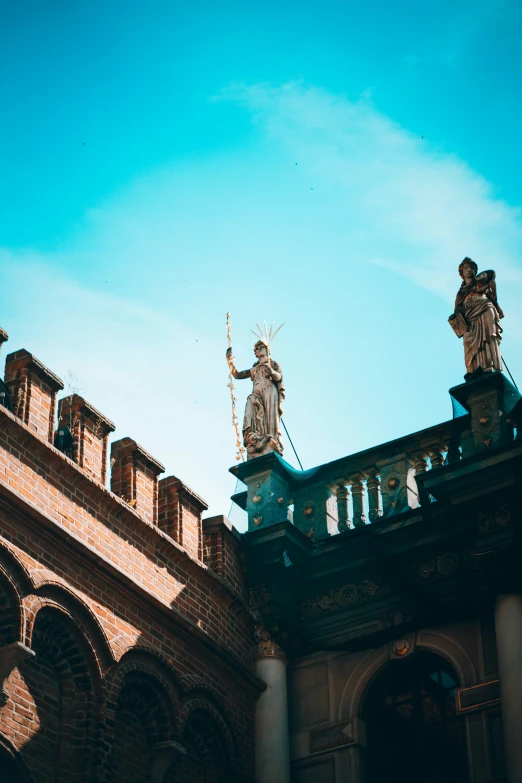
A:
135	609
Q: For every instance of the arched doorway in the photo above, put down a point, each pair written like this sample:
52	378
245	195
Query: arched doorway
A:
413	730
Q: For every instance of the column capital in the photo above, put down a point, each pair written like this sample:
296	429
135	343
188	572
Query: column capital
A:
266	646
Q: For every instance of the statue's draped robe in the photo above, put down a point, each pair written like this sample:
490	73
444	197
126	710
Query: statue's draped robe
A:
478	304
263	409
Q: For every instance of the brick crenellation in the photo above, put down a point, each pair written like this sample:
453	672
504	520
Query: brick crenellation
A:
134	606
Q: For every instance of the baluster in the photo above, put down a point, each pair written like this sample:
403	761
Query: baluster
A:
420	464
373	485
342	508
437	458
359	517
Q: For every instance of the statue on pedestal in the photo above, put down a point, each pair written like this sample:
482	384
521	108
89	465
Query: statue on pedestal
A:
263	411
476	319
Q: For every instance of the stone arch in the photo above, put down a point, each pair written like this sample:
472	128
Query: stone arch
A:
375	661
202	699
452	651
80	620
412	723
154	664
63	685
360	680
207	740
16	584
142	716
10	611
11	564
193	682
60	596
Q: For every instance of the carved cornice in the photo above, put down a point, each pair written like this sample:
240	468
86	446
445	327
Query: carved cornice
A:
341	597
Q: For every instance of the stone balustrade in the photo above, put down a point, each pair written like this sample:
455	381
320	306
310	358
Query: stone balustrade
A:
379	482
348	493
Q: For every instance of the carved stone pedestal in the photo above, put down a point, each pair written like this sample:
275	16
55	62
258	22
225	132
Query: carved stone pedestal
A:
267	490
489	399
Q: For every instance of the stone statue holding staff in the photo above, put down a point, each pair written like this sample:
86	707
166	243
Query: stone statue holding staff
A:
477	319
263	411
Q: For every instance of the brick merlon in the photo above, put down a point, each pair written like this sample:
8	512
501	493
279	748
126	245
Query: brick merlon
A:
128	446
80	404
218	521
179	486
22	358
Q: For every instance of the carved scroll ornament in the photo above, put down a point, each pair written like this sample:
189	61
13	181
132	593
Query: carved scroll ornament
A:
266	646
348	595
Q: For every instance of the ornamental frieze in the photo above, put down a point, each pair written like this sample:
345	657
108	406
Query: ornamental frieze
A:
348	595
259	597
443	565
494	519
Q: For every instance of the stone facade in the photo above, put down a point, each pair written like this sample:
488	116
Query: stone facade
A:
331	729
395	594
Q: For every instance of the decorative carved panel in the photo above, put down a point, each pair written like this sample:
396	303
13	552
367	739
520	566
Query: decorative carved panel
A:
341	597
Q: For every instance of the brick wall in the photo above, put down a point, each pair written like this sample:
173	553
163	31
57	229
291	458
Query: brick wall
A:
221	544
180	514
134	607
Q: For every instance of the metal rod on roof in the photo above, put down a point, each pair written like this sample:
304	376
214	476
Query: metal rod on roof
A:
507	368
292	445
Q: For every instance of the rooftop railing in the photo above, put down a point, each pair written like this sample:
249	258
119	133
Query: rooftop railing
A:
379	482
347	493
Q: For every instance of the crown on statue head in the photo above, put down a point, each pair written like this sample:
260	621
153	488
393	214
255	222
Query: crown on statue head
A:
266	335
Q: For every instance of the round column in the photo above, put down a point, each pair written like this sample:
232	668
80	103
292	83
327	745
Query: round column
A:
271	723
508	627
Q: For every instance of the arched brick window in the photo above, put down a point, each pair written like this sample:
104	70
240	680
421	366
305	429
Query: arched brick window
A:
57	688
9	614
207	755
413	731
142	722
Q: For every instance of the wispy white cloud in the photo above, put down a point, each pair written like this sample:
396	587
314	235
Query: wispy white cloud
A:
416	209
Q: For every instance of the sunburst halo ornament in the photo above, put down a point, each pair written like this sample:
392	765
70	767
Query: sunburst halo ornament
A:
266	335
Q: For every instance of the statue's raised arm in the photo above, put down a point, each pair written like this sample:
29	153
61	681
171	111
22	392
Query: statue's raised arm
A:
237	374
477	318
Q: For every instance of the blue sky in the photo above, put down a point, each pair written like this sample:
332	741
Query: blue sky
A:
323	164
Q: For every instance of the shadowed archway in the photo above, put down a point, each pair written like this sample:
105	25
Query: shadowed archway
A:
413	730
